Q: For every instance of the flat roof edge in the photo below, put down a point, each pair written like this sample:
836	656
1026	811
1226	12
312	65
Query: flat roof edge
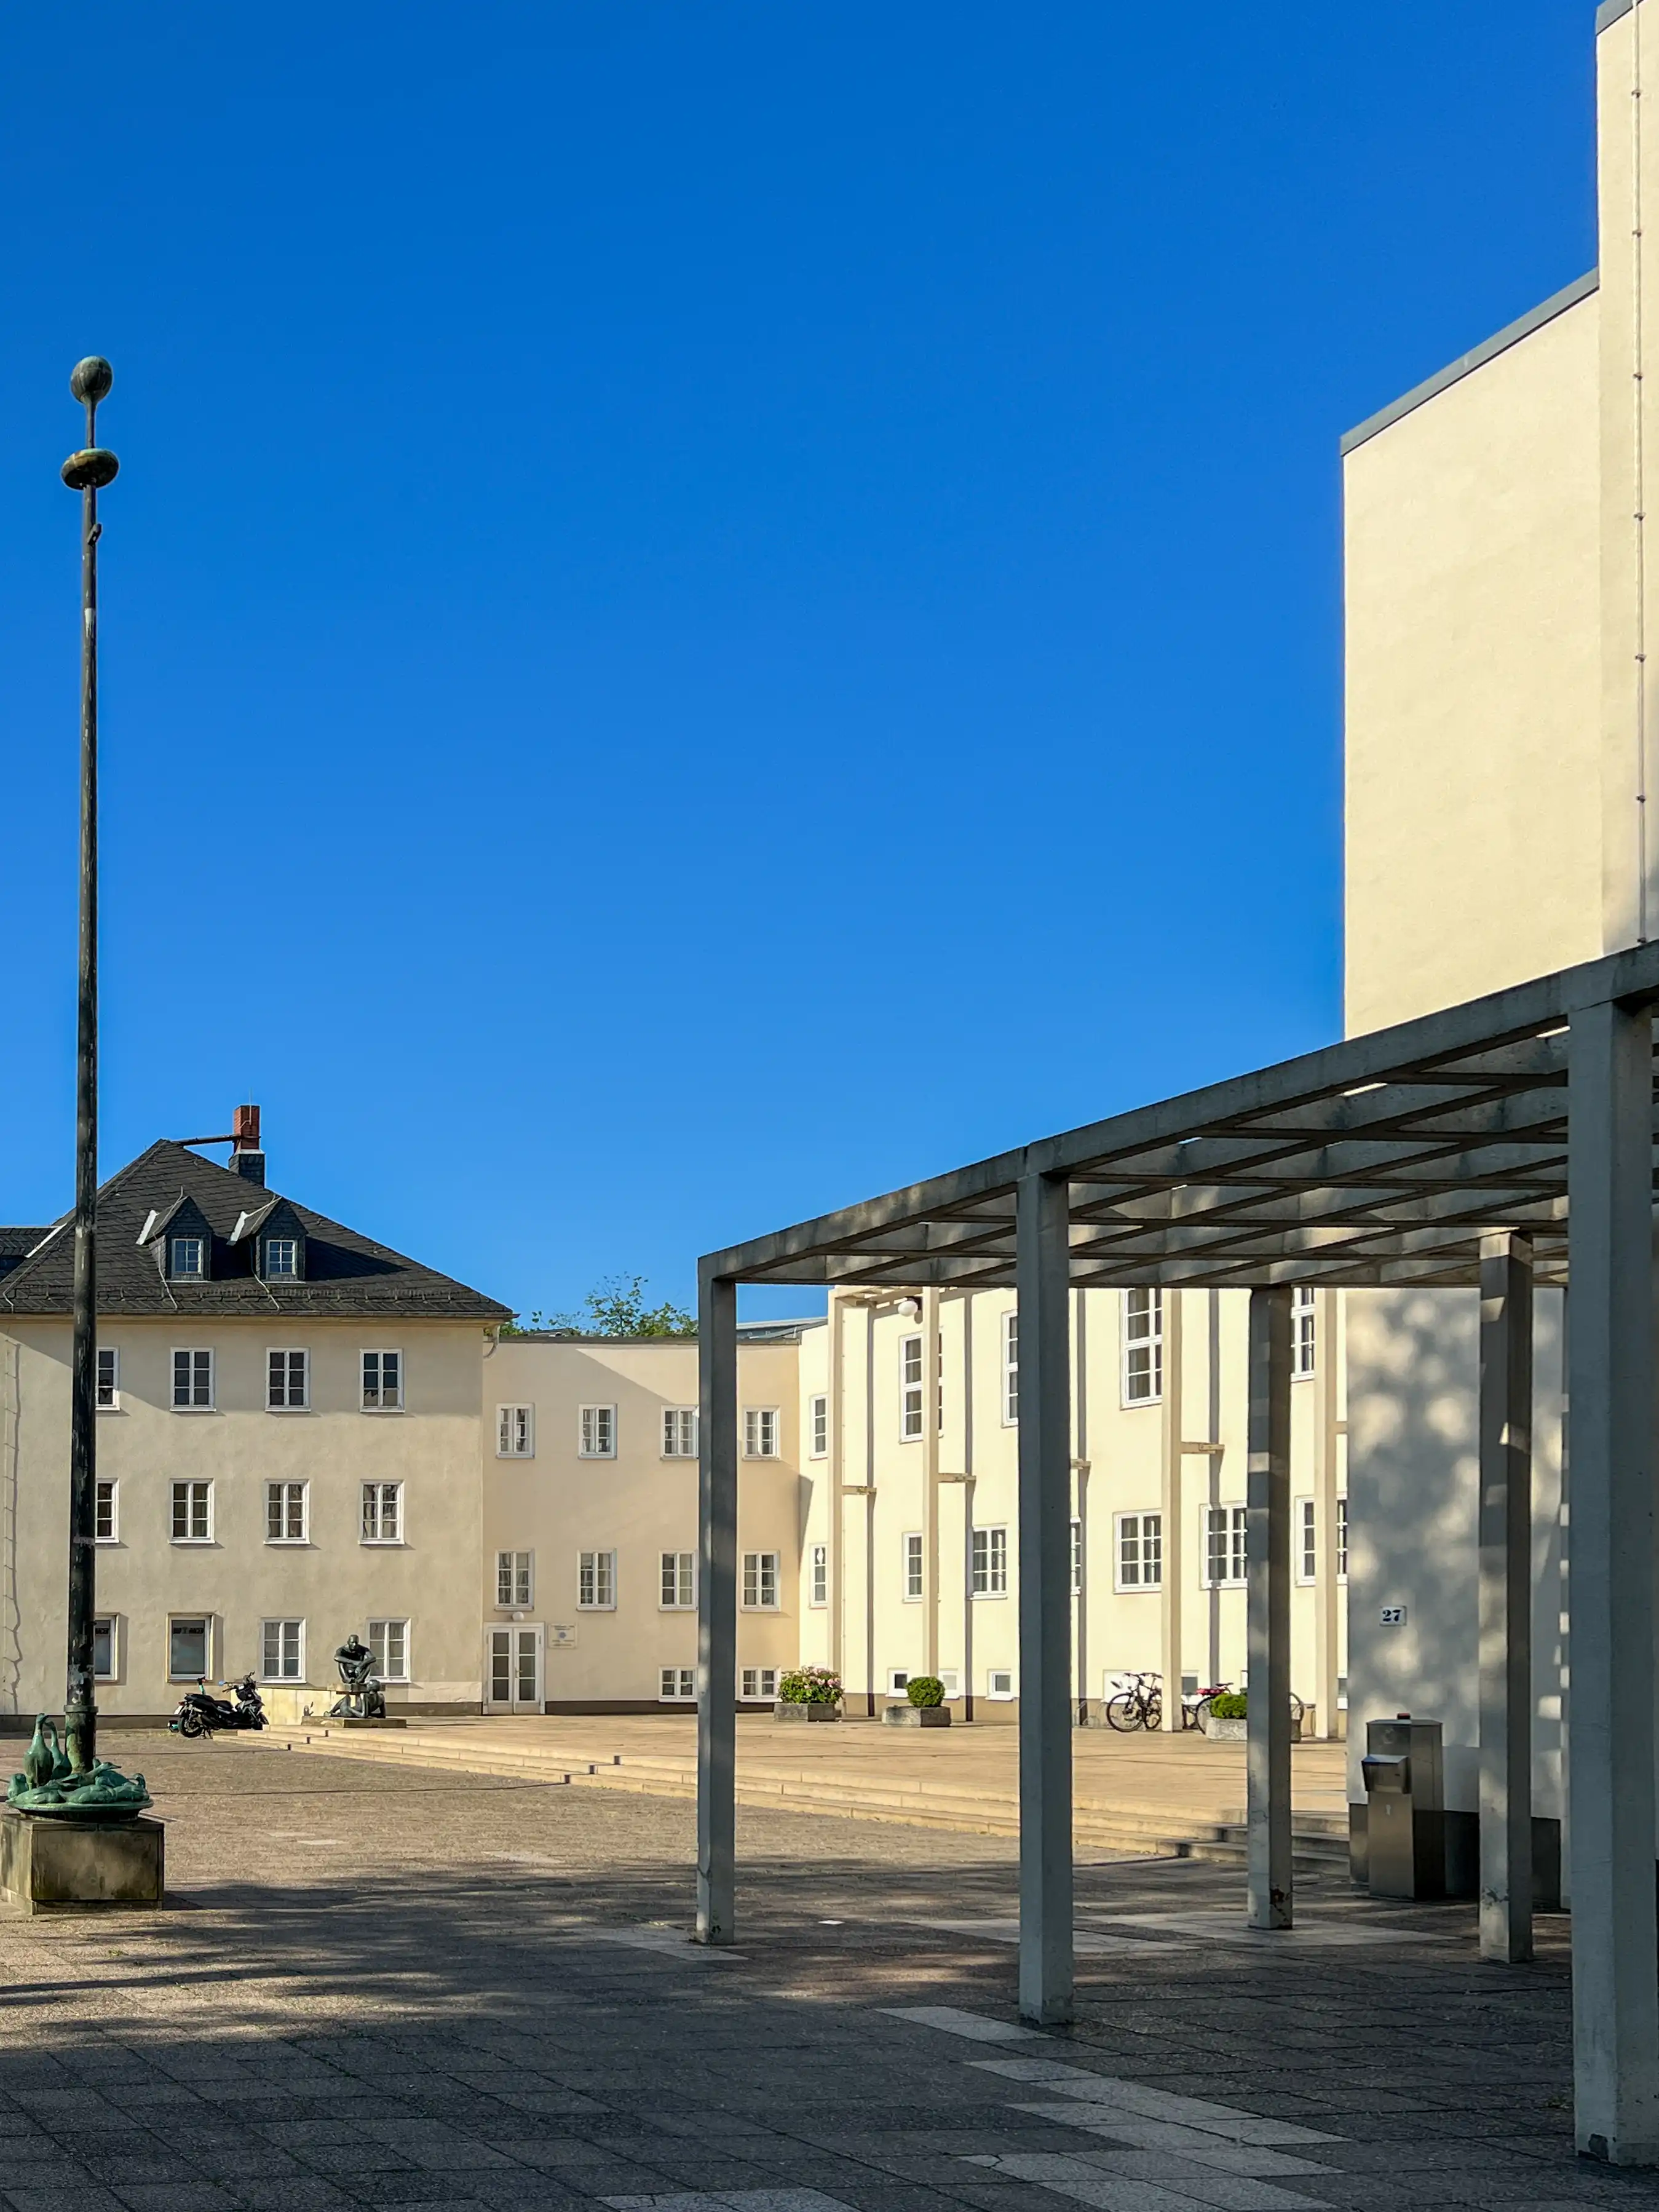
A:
1511	334
1609	13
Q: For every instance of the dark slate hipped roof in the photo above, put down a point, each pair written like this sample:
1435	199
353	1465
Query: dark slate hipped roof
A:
345	1273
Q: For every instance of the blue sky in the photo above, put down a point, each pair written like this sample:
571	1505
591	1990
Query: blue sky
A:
711	609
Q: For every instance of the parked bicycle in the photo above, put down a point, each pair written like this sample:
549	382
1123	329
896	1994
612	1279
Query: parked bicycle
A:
1139	1706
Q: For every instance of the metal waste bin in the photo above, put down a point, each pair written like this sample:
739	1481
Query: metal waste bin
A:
1405	1816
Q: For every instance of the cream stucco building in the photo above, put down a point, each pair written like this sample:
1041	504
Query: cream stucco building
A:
288	1441
1500	746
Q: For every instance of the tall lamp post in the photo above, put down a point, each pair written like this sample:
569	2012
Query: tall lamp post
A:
87	471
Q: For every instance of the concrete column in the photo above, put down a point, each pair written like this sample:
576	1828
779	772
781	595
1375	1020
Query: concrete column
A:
837	1545
1328	1596
1043	1269
1267	1557
1615	1986
717	1608
930	1404
1171	1449
1506	1426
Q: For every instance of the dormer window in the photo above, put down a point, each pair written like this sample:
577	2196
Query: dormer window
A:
189	1259
282	1258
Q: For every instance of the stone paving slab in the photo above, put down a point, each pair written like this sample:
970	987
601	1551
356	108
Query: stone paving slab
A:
477	1995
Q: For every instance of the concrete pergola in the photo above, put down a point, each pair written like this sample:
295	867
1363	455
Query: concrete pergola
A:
1497	1144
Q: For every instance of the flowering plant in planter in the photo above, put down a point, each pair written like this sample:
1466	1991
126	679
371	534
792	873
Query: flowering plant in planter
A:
924	1690
810	1686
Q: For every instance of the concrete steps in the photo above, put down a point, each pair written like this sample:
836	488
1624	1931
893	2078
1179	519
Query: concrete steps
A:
911	1800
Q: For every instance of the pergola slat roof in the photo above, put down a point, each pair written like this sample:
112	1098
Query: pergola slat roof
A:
1380	1160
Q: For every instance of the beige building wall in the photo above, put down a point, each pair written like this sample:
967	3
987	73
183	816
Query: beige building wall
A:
1475	813
604	1644
332	1581
1501	604
872	1625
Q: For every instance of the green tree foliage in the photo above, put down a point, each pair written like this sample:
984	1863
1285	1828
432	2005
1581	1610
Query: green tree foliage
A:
615	1307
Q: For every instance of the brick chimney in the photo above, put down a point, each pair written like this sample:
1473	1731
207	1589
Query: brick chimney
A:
246	1158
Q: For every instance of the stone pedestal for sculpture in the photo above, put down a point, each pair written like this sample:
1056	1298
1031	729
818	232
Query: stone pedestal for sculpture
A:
55	1866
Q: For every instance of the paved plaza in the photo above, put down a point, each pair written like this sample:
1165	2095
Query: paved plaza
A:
397	1986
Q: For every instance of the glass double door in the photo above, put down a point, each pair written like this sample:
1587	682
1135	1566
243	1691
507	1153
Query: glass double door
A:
513	1669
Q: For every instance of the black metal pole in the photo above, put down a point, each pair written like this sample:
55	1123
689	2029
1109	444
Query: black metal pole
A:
85	472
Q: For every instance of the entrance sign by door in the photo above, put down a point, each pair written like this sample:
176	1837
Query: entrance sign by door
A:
513	1669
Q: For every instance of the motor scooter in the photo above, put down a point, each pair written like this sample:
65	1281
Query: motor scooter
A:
200	1713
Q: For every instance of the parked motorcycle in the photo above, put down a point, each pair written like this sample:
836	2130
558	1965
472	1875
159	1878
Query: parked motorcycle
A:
200	1713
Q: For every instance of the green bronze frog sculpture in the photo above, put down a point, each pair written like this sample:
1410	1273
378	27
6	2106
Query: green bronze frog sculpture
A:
49	1788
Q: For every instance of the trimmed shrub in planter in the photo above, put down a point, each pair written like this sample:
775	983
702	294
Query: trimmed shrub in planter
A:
1228	1718
809	1693
926	1707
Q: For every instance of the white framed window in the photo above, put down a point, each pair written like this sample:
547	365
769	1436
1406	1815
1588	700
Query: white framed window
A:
1307	1567
382	1513
515	1580
1077	1559
1139	1551
389	1641
817	1422
1009	1370
760	1581
679	1432
1000	1682
282	1650
108	1395
597	1432
758	1683
760	1431
990	1554
188	1262
192	1379
898	1681
909	1387
1304	1327
288	1381
282	1258
1143	1347
516	1432
288	1512
679	1581
106	1511
679	1686
107	1647
189	1647
818	1575
1224	1545
912	1542
383	1382
596	1582
193	1512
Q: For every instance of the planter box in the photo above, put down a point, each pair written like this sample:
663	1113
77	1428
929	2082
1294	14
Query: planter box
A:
1238	1731
780	1711
917	1716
